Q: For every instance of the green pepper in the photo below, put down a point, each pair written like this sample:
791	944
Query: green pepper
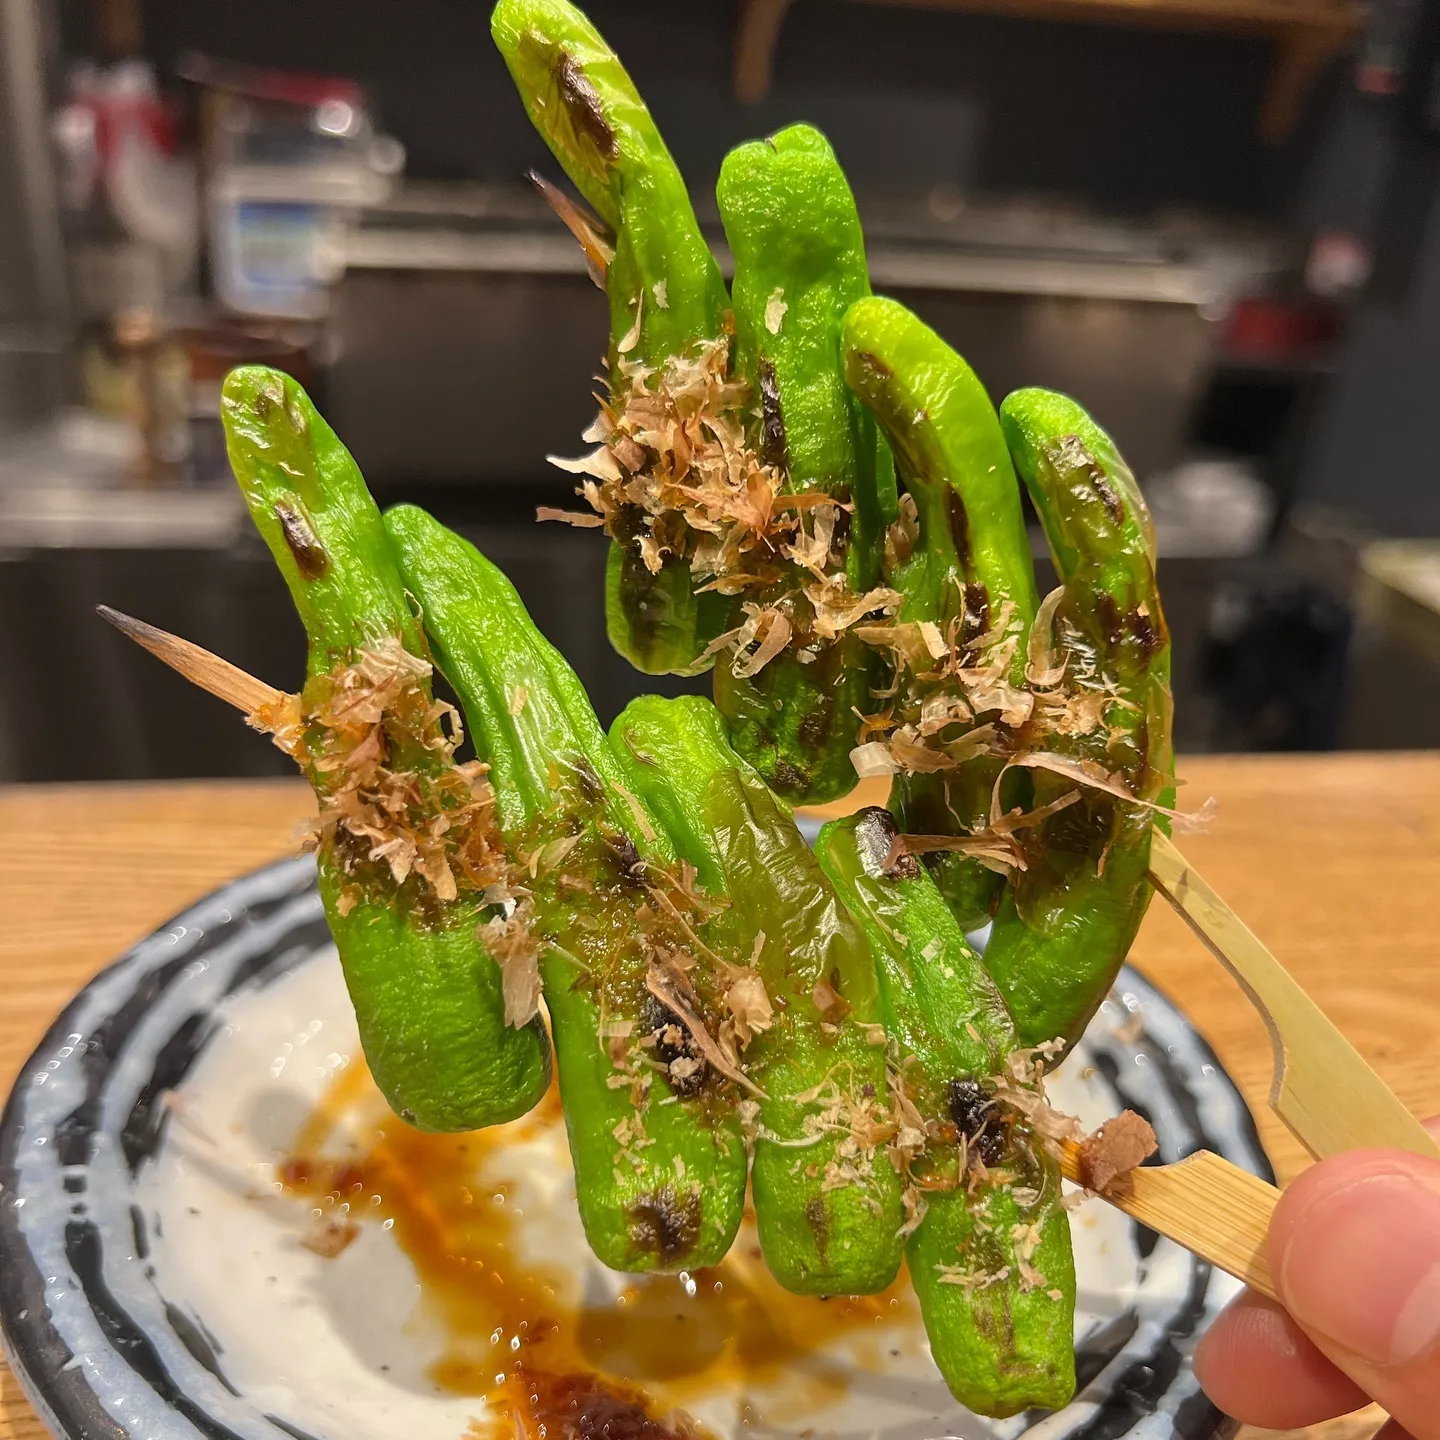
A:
989	1252
1069	919
667	297
799	263
659	1156
827	1198
404	909
968	573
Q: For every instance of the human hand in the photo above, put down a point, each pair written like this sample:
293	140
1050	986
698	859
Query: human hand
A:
1355	1252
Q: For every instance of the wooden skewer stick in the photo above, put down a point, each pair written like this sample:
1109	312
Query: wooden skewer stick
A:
1214	1209
222	679
595	240
1322	1087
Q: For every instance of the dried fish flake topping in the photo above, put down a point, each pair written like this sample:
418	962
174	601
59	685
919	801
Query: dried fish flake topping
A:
396	809
678	473
511	942
959	696
380	752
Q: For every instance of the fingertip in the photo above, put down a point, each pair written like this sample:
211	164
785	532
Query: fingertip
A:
1341	1172
1258	1366
1355	1250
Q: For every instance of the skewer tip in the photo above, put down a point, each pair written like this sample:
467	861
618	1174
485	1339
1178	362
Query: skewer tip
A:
126	624
222	679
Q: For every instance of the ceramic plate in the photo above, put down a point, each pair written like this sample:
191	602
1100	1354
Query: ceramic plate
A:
209	1227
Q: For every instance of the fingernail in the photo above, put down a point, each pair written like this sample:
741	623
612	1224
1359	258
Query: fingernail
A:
1362	1267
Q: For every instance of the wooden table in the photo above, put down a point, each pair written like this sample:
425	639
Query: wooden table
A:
1333	860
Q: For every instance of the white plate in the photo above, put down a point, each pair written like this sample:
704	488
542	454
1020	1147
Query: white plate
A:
154	1284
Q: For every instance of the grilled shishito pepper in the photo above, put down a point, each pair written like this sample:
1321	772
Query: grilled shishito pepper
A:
799	263
1068	920
427	995
968	571
667	297
827	1198
659	1156
990	1259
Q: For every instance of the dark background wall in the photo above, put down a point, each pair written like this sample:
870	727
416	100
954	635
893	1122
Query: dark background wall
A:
1125	119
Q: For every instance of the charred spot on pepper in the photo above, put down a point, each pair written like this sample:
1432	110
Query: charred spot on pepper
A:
588	782
789	778
1141	738
303	543
774	448
871	366
813	731
675	1048
1080	832
1107	612
994	1319
1135	627
626	854
959	527
977	1118
666	1223
875	834
975	614
1149	631
1100	484
817	1217
268	396
627	525
582	104
647	599
299	421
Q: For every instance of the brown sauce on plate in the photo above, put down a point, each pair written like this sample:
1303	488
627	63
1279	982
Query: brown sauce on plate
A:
561	1365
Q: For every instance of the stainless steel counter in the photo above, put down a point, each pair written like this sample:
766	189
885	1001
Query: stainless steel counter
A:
467	311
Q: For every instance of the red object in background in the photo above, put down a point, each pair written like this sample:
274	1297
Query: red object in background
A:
122	100
282	86
1339	264
1280	331
1373	79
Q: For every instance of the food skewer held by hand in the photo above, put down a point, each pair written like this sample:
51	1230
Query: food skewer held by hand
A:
809	491
1202	1202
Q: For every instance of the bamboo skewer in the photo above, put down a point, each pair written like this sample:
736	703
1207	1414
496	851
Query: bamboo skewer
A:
1322	1088
1214	1209
225	681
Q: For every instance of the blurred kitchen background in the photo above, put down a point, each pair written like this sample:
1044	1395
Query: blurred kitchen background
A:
1214	222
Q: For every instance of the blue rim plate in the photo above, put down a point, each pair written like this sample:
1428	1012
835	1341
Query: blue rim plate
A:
115	1328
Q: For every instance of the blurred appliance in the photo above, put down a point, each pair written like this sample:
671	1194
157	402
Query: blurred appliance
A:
467	310
287	160
118	140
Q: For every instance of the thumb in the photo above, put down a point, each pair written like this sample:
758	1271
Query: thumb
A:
1355	1251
